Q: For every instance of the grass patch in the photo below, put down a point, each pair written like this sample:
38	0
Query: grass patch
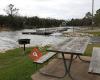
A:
94	33
14	65
89	49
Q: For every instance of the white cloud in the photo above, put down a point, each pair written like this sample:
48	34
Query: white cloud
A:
65	9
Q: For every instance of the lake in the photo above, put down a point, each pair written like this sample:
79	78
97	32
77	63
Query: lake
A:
9	39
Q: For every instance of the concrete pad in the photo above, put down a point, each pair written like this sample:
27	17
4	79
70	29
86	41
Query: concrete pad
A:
79	71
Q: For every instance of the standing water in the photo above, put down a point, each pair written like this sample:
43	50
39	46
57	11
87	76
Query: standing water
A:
9	39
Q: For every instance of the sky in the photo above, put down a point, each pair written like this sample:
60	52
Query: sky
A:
59	9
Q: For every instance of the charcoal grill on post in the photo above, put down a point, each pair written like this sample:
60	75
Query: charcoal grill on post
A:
24	42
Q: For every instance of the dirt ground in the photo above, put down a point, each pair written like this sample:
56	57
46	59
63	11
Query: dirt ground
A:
79	70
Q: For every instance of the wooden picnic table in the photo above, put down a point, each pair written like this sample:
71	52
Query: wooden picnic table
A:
94	67
76	46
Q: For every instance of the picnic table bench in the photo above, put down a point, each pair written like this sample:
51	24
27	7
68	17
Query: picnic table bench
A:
45	57
94	67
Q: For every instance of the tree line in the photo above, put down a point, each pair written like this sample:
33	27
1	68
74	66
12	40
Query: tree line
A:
87	20
18	22
15	22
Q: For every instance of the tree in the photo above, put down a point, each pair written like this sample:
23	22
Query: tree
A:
88	15
12	18
97	17
87	20
11	10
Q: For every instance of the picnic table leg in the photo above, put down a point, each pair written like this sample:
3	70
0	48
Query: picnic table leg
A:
67	72
78	56
71	59
82	59
65	65
67	68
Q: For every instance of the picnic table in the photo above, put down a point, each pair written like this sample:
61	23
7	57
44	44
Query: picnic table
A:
76	46
94	67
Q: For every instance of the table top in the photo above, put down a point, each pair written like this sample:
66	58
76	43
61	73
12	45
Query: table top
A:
77	45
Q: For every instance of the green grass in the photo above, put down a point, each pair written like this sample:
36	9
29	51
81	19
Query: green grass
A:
89	49
94	33
14	65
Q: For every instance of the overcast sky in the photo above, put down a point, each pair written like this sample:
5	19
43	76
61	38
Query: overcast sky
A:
59	9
